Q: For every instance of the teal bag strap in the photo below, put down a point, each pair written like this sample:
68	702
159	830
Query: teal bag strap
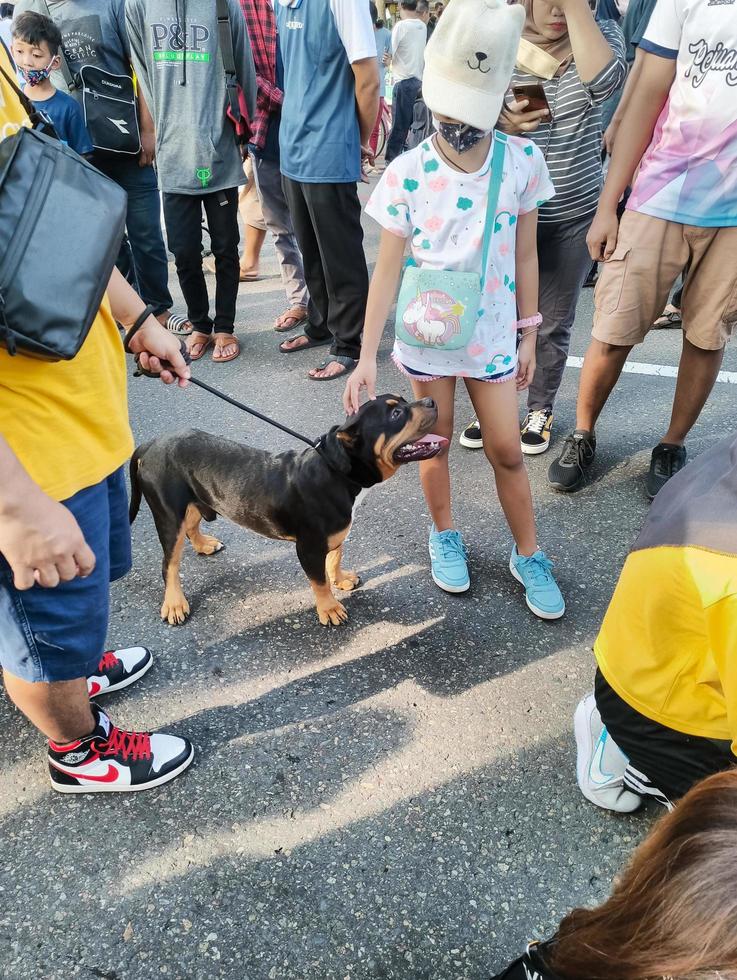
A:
495	183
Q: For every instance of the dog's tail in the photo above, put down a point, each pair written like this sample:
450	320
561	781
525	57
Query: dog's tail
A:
136	492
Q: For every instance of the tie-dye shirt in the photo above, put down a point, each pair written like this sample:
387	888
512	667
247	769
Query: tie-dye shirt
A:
443	212
689	172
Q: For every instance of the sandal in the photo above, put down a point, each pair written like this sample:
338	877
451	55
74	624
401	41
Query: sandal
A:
668	318
347	363
310	343
175	323
295	316
223	340
196	348
249	276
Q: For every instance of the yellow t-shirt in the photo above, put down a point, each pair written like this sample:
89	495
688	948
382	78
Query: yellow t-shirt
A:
66	421
668	643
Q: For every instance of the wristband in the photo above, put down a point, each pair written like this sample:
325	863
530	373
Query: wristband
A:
530	321
139	322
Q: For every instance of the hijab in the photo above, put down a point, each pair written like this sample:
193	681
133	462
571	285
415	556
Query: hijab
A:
537	55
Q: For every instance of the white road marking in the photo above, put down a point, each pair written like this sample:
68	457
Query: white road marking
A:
656	370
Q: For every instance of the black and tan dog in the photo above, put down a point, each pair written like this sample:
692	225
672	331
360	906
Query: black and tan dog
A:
307	497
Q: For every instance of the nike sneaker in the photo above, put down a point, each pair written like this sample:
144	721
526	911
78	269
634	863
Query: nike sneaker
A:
113	761
118	669
600	763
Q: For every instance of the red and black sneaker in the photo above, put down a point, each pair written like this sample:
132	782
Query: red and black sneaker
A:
117	669
112	761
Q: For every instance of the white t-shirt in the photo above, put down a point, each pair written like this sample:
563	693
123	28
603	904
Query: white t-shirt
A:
443	212
689	172
356	31
409	38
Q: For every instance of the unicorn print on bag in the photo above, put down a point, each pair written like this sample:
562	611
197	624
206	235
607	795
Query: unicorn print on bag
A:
433	317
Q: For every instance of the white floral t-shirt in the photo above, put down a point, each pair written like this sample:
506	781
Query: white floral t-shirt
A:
442	212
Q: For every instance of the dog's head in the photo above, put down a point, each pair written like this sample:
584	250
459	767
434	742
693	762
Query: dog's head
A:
384	433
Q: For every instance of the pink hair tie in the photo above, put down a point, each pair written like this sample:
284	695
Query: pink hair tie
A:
530	321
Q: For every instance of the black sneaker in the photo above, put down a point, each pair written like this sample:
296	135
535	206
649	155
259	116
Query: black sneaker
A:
568	472
471	436
535	432
118	669
665	462
112	761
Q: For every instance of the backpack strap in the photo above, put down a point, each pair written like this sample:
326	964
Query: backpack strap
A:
227	56
64	64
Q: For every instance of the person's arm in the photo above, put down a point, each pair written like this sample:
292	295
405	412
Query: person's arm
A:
244	66
134	32
591	50
635	132
152	342
527	283
366	74
382	292
39	537
148	132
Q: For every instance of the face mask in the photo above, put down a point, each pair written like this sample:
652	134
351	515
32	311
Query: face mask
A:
34	76
460	136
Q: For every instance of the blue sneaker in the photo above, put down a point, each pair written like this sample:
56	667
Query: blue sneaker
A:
448	561
541	590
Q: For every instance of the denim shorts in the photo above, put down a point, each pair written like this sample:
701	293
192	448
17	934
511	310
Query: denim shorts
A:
59	634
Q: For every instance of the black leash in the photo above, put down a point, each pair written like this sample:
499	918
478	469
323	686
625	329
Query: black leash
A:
312	443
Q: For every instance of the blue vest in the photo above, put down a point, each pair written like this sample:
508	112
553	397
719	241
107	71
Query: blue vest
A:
319	139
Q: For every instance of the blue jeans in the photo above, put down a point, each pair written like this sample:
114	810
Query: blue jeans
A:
142	258
403	107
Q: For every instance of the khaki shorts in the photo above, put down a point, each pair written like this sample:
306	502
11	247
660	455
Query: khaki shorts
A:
249	202
635	283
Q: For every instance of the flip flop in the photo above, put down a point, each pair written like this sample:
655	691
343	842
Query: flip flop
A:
666	320
178	324
310	343
250	277
204	344
298	314
348	364
226	340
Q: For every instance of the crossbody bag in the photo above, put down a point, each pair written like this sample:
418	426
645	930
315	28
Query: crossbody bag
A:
237	108
439	308
109	106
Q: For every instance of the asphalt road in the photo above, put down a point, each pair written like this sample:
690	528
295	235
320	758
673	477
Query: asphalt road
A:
392	799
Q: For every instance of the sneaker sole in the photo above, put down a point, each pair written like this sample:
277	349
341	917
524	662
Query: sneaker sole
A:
453	589
534	450
540	613
126	683
107	788
470	443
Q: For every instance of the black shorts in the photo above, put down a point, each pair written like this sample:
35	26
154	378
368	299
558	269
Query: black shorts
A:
664	763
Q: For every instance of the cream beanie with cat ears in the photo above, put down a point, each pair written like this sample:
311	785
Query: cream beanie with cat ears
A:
469	60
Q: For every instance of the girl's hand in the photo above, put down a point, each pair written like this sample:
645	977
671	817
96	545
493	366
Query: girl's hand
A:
364	376
526	361
515	121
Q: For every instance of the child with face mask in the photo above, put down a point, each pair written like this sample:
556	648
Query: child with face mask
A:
466	200
36	43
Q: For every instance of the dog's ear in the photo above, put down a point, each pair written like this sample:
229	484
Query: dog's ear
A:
333	448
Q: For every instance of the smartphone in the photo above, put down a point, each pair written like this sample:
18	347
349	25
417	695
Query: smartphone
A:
534	93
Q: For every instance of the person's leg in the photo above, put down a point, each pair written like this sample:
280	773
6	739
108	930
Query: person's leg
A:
403	103
221	209
495	405
335	211
61	711
564	262
434	473
602	366
249	205
697	372
279	222
143	225
304	231
183	219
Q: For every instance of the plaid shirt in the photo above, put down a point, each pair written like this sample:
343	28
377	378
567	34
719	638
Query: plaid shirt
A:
261	24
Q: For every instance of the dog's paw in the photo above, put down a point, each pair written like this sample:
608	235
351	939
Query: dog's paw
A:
175	611
332	615
347	581
207	545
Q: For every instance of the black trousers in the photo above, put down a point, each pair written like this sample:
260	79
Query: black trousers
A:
327	225
664	763
183	220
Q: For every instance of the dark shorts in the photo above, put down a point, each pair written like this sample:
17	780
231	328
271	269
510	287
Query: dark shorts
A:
664	763
59	634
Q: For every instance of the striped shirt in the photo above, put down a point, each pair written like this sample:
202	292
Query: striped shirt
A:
571	142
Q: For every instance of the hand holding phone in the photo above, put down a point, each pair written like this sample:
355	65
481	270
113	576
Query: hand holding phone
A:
534	94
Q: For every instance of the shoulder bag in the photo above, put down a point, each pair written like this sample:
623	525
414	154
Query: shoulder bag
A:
438	308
